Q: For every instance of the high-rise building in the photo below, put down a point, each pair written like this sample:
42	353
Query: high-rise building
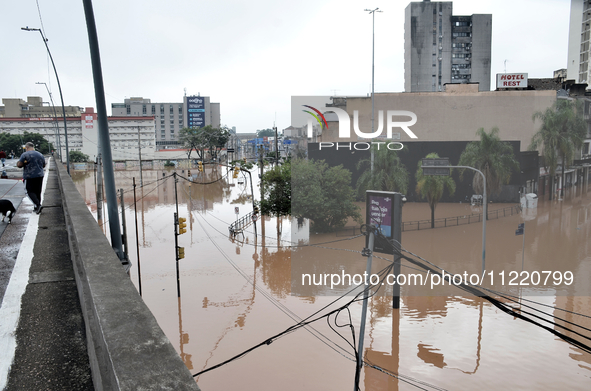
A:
441	48
578	42
170	118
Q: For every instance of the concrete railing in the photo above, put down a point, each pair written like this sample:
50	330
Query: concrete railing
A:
126	347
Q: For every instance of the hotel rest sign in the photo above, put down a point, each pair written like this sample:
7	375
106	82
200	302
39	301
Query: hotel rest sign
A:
511	80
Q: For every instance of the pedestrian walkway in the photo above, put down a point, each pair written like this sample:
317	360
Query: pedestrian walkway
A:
42	333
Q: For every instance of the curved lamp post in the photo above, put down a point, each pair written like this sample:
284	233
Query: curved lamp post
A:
58	136
61	96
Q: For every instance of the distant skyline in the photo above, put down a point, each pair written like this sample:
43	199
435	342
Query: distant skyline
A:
251	57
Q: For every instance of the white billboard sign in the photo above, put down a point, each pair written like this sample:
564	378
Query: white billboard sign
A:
511	80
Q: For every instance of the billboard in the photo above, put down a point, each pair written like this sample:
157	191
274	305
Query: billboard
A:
511	80
195	111
379	209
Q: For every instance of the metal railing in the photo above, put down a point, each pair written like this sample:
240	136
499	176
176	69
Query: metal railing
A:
443	222
241	224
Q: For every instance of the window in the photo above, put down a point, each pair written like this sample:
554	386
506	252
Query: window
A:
128	109
180	109
153	109
161	109
144	109
171	109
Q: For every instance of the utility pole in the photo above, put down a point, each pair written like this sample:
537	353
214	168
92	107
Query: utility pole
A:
126	246
137	240
397	238
276	146
373	40
139	143
104	140
364	311
99	188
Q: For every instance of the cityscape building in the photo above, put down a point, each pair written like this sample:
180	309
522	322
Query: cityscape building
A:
170	118
442	48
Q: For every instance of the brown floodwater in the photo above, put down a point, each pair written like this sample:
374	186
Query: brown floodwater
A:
236	293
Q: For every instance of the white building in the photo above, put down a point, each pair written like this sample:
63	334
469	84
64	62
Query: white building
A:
127	134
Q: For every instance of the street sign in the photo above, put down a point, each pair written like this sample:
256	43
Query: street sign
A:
230	150
255	217
236	210
379	208
430	166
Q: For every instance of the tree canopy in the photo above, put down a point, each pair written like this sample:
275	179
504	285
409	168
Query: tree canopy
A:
431	187
78	157
561	134
322	194
491	156
15	142
265	133
277	191
389	173
206	138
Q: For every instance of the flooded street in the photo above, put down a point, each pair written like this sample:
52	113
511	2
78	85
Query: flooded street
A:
239	292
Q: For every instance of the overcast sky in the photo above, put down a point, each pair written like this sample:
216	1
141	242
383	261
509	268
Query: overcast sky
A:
250	56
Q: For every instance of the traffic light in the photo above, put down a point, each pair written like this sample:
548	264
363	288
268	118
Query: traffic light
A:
182	225
200	166
255	210
189	173
236	171
181	252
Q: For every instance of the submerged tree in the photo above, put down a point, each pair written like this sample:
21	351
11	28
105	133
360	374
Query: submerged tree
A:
277	191
204	138
431	187
322	194
562	133
388	174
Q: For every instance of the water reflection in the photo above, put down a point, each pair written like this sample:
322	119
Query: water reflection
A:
235	291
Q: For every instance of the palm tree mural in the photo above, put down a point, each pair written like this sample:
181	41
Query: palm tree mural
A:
389	174
562	133
431	187
491	156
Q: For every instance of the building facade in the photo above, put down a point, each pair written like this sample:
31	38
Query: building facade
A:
579	39
170	118
440	48
34	107
127	134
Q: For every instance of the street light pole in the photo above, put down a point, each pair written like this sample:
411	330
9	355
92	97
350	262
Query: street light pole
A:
484	210
58	141
373	39
61	95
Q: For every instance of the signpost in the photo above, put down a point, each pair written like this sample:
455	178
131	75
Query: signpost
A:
521	231
384	211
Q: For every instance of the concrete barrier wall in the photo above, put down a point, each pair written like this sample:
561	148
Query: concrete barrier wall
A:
127	348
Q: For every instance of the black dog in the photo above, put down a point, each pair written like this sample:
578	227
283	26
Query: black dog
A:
7	209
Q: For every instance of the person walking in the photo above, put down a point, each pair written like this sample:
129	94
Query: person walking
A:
32	163
3	157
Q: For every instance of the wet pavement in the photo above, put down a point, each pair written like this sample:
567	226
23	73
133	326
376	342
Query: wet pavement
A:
42	333
237	293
